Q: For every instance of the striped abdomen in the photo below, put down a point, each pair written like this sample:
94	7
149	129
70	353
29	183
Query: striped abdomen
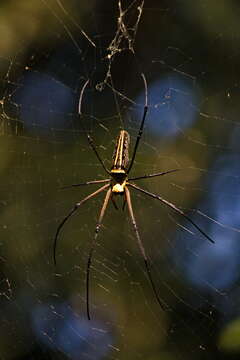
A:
120	155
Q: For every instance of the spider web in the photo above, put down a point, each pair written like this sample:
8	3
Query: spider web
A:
189	55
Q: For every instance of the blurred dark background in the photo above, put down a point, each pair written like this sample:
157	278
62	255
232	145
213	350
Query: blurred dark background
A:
189	53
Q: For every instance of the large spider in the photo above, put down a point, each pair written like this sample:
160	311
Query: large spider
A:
118	185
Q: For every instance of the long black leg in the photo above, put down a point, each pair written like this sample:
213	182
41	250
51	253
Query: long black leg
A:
98	226
172	206
74	209
86	183
140	244
91	143
153	175
140	131
90	140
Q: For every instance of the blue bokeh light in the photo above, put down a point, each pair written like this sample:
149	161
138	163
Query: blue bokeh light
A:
173	104
215	267
43	103
60	328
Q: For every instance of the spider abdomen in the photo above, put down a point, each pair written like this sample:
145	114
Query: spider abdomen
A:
120	154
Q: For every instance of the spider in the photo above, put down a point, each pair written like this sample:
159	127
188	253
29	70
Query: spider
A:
118	184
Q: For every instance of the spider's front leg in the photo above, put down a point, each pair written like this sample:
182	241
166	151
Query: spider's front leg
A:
142	249
74	209
98	226
173	207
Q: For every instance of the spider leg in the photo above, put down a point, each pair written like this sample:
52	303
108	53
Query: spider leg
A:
175	208
140	131
89	138
153	175
74	209
98	226
142	249
86	183
91	143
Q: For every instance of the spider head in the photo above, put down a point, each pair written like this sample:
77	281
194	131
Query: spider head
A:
119	178
118	188
118	175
